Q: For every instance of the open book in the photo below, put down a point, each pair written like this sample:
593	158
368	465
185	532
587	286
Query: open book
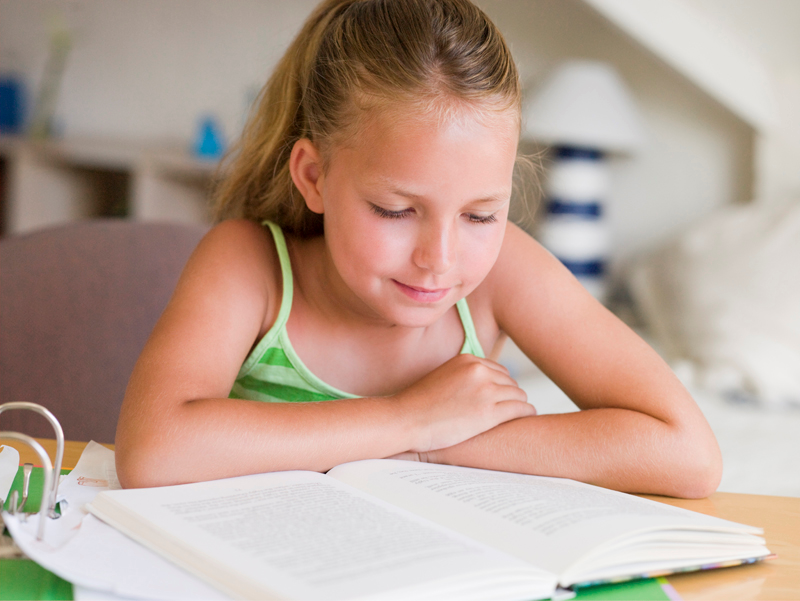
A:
388	529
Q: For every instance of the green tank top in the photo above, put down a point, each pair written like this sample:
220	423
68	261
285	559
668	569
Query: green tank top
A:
274	373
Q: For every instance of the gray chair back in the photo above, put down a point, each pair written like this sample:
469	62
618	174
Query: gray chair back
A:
77	303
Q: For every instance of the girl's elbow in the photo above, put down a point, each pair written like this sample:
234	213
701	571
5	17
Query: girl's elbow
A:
699	472
140	465
133	470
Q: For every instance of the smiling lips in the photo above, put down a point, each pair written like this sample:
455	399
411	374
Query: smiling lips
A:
422	295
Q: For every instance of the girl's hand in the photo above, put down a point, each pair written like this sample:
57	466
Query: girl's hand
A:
461	399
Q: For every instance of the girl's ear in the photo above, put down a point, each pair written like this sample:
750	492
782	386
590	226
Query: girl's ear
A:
305	166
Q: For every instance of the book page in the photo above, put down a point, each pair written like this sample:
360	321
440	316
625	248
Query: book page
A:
550	522
302	535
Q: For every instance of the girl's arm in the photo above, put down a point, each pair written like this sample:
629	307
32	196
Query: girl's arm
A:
639	429
177	424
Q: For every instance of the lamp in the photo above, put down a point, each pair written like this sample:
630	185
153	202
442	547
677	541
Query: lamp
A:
583	111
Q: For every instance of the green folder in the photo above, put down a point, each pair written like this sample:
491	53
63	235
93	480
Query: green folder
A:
23	578
649	589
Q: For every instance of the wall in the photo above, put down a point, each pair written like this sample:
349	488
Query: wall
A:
698	155
771	30
150	68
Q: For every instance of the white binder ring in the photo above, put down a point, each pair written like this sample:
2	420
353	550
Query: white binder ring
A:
52	472
44	510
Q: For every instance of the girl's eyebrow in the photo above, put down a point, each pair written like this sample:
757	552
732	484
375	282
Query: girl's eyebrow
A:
396	188
499	197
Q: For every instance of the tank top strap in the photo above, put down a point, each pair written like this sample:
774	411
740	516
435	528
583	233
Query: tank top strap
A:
286	274
471	343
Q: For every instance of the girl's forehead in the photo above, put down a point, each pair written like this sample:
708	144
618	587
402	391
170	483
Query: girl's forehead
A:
417	152
400	121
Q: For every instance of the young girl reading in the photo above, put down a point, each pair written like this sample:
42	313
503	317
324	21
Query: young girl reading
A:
346	312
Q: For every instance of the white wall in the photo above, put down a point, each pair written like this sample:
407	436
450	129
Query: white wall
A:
771	30
150	68
698	154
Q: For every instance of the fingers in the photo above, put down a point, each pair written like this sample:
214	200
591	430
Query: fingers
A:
493	365
480	369
511	403
508	410
475	360
462	398
511	392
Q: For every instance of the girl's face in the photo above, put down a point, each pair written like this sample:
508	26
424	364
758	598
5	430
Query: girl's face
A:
415	211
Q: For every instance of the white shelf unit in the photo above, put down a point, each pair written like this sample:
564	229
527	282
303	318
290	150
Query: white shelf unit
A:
54	181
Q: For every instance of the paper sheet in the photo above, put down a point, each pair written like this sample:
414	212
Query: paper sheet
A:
95	557
9	464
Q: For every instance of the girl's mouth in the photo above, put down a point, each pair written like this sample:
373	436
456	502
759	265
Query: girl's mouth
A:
422	295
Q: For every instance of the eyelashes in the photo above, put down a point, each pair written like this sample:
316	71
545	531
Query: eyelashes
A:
386	214
381	212
478	219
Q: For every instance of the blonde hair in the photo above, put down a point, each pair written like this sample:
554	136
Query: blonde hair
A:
352	56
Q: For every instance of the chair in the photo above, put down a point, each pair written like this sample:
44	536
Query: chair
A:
77	304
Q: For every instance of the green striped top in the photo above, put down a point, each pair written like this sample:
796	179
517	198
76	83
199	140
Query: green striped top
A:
274	373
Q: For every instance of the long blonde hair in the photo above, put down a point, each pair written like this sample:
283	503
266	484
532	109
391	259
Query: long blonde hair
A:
349	57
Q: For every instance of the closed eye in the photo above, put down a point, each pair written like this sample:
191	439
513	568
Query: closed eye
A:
481	218
381	212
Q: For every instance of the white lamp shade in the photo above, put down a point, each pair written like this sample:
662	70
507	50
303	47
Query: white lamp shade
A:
585	104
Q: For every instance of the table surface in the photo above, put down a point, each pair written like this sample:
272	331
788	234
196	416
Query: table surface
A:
779	517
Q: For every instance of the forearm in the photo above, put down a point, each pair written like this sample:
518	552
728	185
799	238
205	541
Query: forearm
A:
614	448
216	438
164	439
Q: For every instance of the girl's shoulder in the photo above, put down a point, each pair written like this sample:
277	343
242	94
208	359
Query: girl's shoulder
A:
523	287
522	261
500	284
243	240
240	255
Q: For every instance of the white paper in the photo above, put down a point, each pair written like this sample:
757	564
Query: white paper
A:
94	556
9	464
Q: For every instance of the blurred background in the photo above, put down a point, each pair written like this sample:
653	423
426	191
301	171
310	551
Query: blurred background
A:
122	109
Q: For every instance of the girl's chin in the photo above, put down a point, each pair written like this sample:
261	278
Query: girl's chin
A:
418	316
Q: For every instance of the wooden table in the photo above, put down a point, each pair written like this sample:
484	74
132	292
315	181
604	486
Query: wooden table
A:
779	517
72	451
774	579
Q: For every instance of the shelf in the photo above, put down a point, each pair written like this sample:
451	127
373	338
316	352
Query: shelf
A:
48	182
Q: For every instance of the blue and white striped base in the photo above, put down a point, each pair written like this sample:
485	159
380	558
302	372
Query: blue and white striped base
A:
574	228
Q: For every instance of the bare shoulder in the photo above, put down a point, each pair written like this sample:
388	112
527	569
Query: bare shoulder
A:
558	324
520	259
520	254
535	299
521	265
236	244
236	258
526	273
225	295
228	292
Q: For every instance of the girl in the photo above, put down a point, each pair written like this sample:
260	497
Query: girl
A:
371	264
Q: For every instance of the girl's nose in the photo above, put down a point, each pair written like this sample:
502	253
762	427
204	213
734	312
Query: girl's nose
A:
436	249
